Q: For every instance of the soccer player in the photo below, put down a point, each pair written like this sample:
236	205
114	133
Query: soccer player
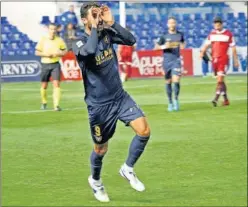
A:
106	100
171	43
124	55
50	48
220	40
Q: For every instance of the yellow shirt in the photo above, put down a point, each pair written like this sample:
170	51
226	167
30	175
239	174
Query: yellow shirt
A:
49	46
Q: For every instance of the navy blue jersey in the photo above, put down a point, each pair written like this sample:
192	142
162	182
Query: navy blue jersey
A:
172	53
98	62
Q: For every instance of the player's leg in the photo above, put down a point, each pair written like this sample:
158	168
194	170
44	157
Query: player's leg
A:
133	116
94	179
221	89
123	72
168	89
176	82
56	86
102	123
45	76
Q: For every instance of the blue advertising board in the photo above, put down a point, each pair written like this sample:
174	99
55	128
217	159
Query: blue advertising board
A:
20	68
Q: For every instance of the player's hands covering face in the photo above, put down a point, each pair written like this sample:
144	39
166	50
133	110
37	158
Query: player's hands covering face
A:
107	16
94	16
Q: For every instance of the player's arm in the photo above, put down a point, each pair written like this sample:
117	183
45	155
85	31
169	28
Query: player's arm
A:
161	44
122	36
119	35
182	42
232	44
205	47
86	48
235	57
62	49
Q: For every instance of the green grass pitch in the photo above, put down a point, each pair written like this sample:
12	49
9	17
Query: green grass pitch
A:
196	157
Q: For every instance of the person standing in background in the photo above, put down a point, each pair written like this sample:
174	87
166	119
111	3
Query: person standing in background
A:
70	16
69	36
171	43
220	40
50	48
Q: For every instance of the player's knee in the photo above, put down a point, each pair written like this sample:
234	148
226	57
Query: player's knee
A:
44	85
144	131
168	81
56	84
101	149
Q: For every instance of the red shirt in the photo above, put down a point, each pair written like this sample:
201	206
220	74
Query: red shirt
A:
126	52
220	42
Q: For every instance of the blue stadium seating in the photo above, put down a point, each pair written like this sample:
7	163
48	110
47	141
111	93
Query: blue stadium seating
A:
146	28
13	41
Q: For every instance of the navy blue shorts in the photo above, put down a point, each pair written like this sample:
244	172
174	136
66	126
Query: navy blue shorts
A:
172	68
103	119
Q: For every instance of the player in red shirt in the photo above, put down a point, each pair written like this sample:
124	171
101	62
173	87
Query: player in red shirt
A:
220	40
124	55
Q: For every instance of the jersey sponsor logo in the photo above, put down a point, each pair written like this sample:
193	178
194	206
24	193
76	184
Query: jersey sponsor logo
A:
20	68
104	56
106	39
174	44
219	38
79	43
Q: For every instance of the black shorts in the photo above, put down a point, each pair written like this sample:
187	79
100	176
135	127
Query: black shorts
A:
103	119
50	70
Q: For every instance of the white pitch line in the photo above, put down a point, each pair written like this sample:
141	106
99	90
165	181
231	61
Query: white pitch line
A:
83	108
126	87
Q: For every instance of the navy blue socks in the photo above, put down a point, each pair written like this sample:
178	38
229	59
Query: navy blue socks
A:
136	149
96	165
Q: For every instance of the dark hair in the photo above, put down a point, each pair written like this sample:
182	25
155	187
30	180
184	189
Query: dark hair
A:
85	8
172	18
52	24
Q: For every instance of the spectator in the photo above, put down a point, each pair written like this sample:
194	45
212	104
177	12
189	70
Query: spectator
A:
69	35
70	16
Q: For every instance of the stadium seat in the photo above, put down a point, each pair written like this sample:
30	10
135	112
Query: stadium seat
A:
129	18
45	20
16	37
209	17
4	38
230	16
24	38
23	52
57	20
11	52
186	17
241	16
197	16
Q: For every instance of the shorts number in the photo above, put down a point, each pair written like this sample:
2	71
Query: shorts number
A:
97	131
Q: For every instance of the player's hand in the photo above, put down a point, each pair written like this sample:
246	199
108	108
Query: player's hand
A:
49	55
167	45
94	14
106	15
201	55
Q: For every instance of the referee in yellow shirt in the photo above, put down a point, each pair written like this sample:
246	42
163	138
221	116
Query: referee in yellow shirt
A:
50	48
